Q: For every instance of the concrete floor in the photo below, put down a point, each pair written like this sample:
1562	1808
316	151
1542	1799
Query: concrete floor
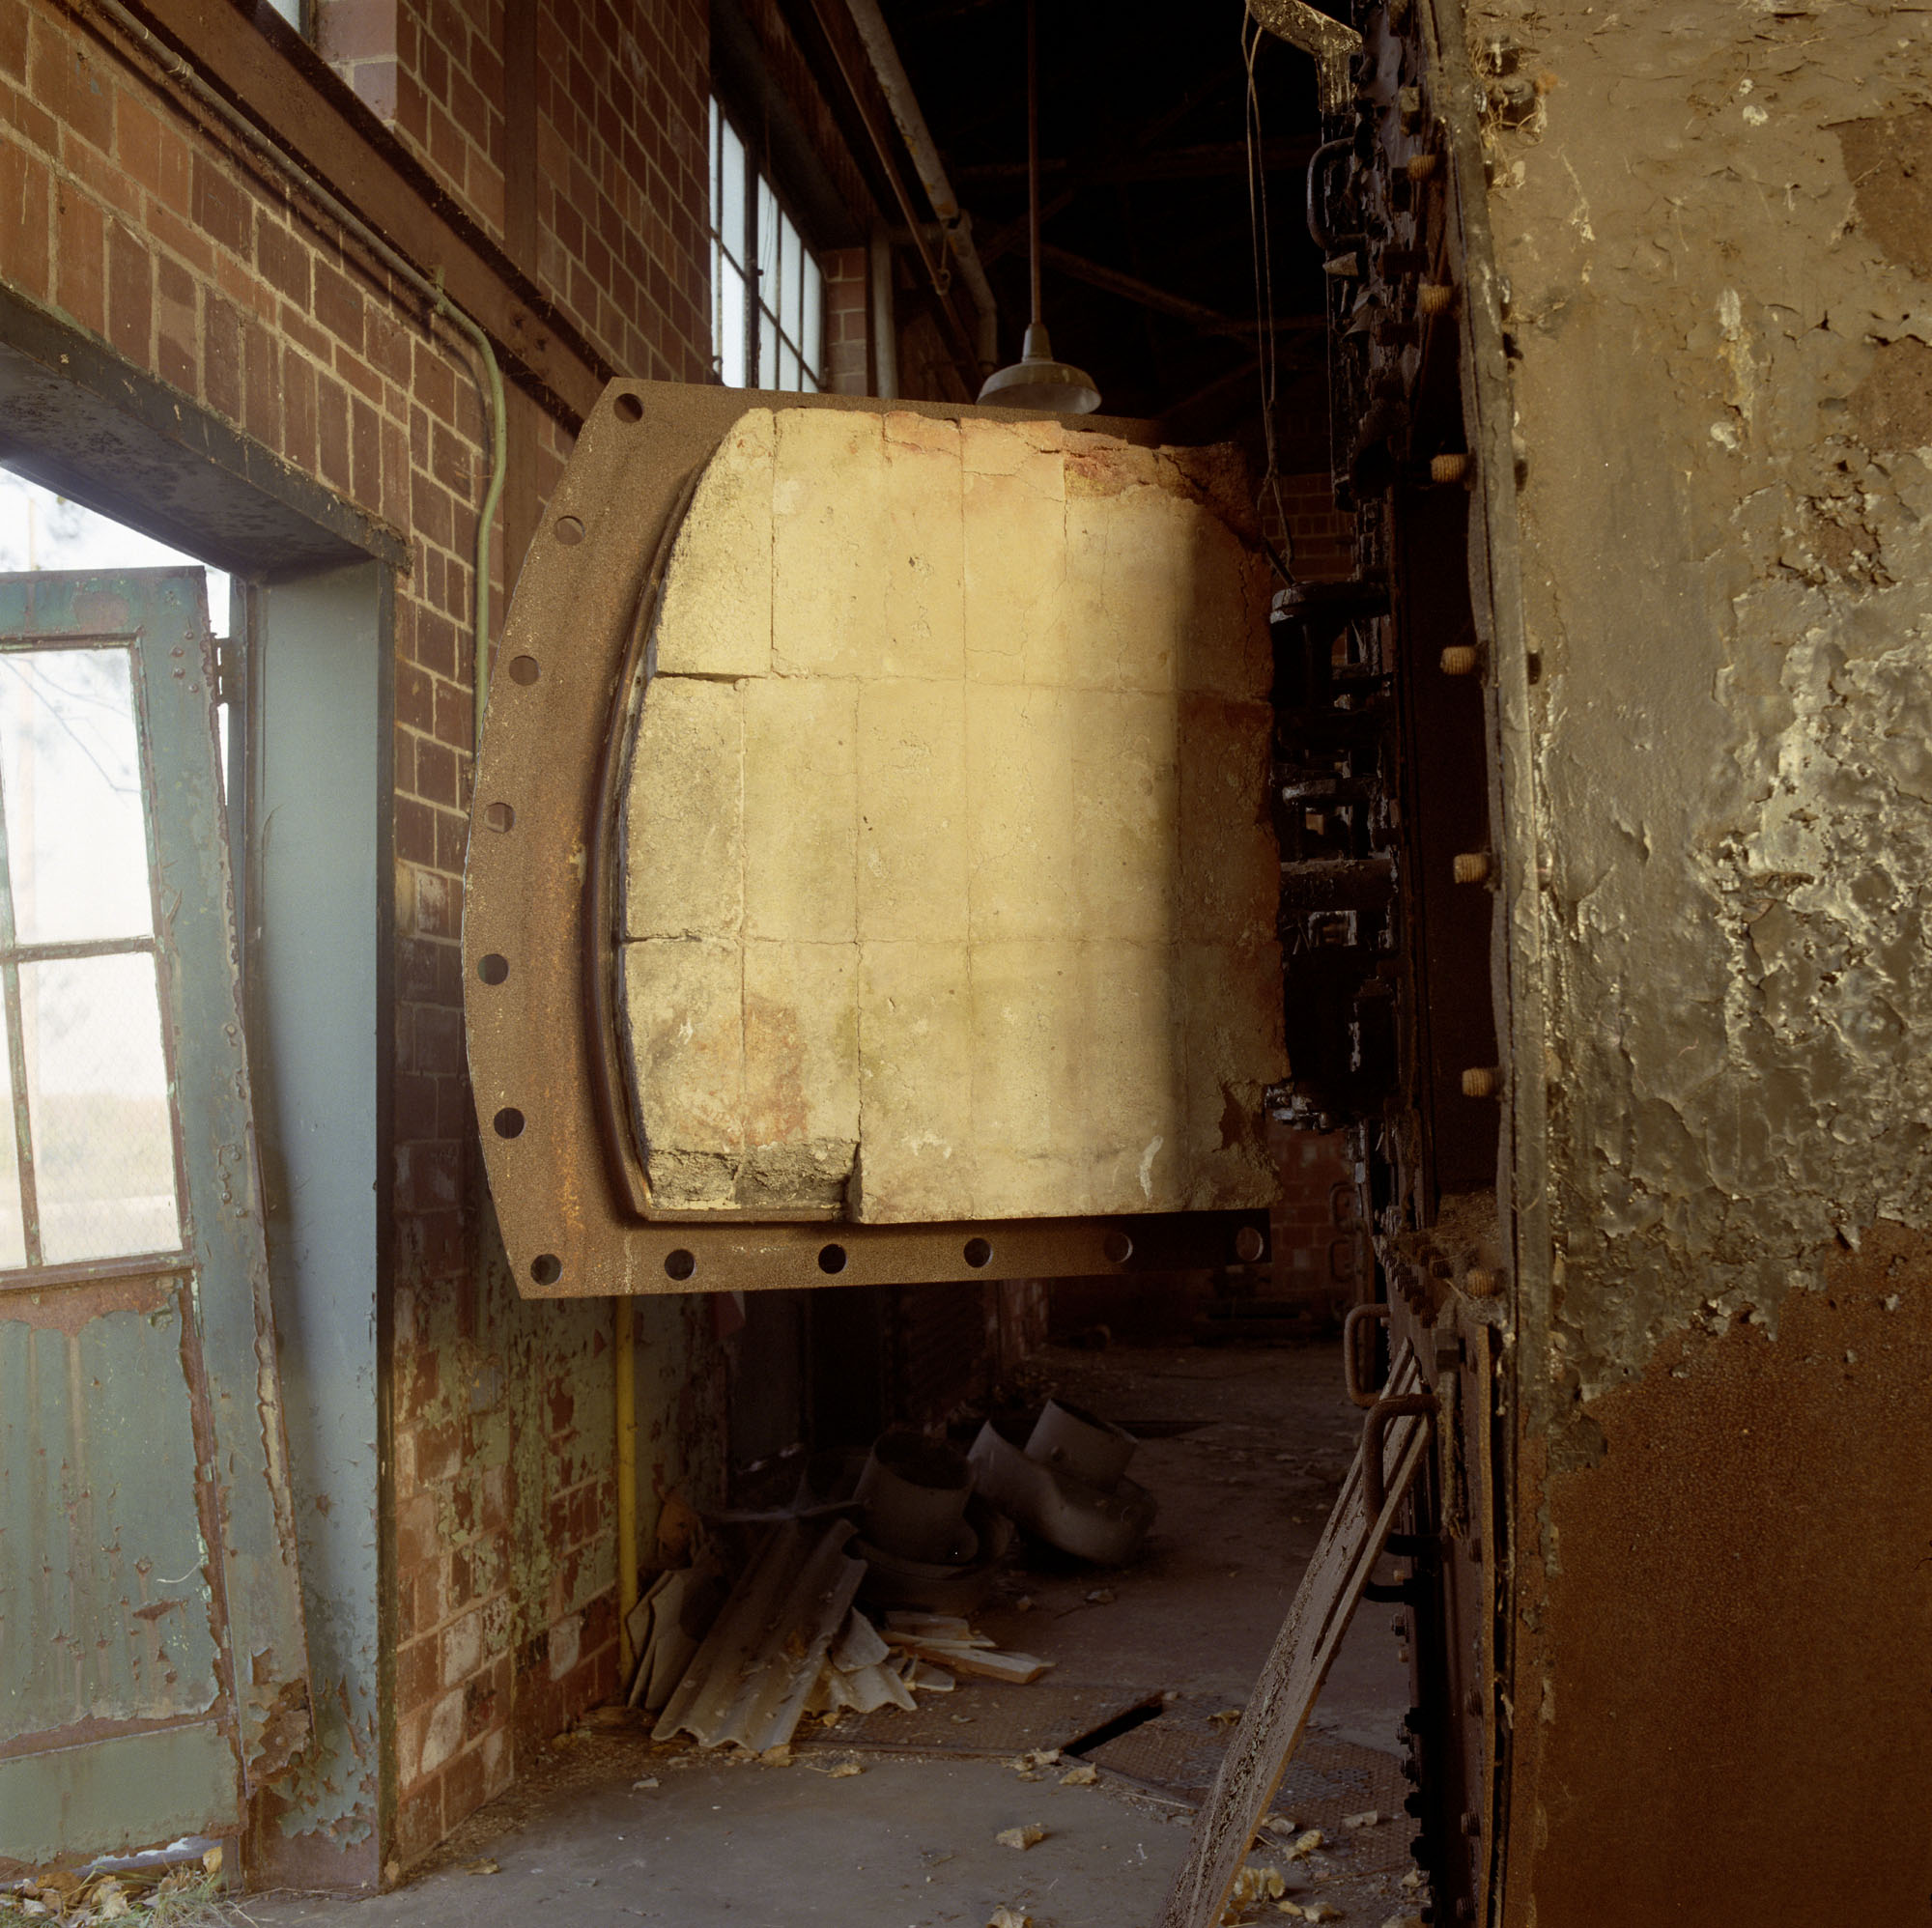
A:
910	1841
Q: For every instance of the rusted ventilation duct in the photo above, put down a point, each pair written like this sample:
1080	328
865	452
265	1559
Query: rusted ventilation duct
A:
896	86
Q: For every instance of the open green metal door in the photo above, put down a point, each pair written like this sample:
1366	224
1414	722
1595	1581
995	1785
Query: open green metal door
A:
152	1662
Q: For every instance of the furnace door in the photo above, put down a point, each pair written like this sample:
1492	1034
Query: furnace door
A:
151	1659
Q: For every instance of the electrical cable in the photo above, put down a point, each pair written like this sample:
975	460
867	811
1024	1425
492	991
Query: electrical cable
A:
1268	358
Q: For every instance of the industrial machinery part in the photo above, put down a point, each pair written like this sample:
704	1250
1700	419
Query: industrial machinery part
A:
552	892
1598	837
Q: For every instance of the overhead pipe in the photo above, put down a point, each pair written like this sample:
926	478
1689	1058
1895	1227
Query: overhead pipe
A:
896	86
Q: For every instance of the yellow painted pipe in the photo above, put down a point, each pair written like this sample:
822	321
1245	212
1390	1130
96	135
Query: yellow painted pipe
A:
627	1487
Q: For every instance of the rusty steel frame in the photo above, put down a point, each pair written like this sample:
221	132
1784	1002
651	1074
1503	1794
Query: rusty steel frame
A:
570	1190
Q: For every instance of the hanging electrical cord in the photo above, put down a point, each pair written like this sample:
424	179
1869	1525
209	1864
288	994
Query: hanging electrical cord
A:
490	382
1268	359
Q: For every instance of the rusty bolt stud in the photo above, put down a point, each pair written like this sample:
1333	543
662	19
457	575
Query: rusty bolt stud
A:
1434	297
1420	166
1482	1081
1460	659
1444	468
1480	1283
1473	866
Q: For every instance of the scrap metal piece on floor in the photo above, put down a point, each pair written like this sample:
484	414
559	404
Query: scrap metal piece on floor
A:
1068	1486
667	1623
750	1679
1303	1652
995	1721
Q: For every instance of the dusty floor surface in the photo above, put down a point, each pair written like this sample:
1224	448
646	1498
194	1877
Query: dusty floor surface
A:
909	1842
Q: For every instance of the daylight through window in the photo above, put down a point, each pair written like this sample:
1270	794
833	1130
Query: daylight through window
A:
767	297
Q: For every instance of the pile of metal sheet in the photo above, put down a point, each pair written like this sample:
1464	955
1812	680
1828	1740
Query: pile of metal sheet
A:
916	1528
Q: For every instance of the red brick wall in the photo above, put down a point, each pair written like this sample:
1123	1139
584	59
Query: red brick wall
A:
124	211
847	300
1317	540
1320	1251
620	144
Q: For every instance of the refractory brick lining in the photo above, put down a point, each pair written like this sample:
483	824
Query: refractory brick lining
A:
949	885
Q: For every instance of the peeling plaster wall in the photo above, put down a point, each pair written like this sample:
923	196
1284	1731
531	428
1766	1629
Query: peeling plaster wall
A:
505	1500
1718	258
1713	229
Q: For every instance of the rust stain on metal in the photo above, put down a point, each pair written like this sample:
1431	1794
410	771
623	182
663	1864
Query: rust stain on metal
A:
1753	1543
68	1308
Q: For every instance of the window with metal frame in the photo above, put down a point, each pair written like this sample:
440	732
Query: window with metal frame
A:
767	293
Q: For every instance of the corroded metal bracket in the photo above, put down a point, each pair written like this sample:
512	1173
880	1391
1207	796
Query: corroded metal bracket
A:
1328	42
570	1191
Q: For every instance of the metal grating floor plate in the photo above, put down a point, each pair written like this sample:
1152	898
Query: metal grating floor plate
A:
1325	1780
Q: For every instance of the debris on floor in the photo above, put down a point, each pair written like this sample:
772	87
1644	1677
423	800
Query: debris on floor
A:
1373	1818
1008	1918
750	1678
668	1624
1067	1484
1021	1837
1264	1884
185	1893
951	1643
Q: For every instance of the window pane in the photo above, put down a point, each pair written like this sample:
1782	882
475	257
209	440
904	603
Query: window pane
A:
791	282
768	350
97	1103
732	329
810	340
787	366
731	193
768	246
70	779
12	1230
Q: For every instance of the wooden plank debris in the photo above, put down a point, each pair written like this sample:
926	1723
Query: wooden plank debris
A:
1304	1650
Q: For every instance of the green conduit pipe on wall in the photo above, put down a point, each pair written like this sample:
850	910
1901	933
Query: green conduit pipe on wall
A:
490	382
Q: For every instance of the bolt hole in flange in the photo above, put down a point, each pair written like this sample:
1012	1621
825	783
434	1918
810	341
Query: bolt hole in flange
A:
508	1122
832	1258
501	816
494	969
979	1253
569	530
1119	1248
524	670
627	409
546	1268
680	1264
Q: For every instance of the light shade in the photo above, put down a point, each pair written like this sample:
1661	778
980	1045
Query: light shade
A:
1039	382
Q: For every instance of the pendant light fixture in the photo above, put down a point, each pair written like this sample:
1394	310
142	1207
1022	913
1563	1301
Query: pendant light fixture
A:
1036	381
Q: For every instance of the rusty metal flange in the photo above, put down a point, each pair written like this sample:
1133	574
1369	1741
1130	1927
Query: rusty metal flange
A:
568	1186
